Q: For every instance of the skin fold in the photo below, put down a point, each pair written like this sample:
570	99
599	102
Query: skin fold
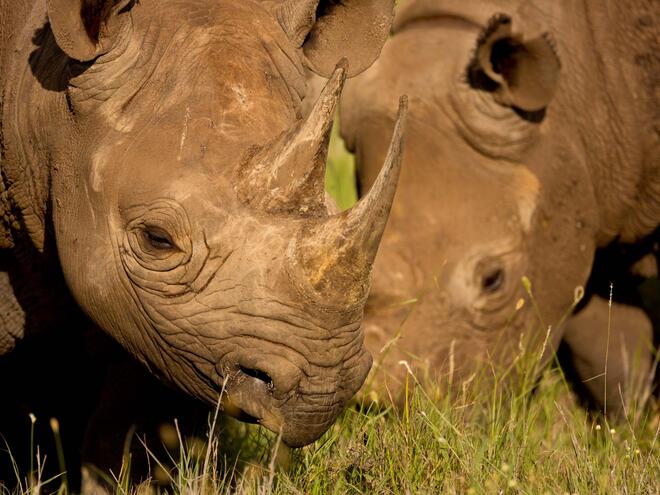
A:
160	185
533	146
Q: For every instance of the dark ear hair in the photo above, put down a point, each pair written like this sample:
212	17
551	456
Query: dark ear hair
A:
82	28
520	73
329	30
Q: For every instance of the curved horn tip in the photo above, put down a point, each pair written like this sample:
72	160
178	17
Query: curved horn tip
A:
383	189
403	108
393	159
339	75
335	84
378	201
394	153
342	64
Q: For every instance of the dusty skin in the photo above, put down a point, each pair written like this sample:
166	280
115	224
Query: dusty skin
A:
159	183
533	142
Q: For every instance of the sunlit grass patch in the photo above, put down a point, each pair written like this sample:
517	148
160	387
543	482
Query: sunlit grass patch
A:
502	441
505	443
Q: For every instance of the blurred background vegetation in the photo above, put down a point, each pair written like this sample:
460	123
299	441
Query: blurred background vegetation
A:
340	171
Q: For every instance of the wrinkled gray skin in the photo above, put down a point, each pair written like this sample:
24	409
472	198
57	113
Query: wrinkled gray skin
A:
154	152
533	140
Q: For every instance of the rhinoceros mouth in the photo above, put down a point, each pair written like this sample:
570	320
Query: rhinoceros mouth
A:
297	419
248	397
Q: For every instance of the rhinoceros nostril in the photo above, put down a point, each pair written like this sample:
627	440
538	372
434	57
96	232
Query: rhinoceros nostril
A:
259	375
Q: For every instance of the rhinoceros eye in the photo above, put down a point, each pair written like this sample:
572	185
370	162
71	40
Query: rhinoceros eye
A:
157	238
492	280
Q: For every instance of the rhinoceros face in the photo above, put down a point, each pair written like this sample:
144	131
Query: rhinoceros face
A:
486	197
190	215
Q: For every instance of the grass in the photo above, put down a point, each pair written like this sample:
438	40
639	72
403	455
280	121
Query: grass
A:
507	441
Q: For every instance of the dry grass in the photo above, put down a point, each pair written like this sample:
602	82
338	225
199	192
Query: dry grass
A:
507	442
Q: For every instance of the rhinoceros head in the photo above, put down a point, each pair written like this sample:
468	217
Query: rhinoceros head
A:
190	216
488	194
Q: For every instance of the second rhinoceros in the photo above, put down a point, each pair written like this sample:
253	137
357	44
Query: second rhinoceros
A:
533	142
155	165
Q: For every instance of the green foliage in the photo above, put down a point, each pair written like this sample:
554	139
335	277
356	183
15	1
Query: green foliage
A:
340	172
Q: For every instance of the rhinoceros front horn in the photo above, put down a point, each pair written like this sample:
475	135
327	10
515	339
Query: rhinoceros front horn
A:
337	252
288	176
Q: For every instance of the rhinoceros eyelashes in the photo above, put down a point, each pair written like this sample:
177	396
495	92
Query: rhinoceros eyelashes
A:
158	235
157	238
492	281
491	278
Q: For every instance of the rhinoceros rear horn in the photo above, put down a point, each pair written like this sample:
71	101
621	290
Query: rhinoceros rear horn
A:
288	175
329	30
83	28
337	253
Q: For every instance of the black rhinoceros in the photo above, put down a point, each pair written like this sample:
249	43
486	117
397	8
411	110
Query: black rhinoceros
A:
533	141
157	174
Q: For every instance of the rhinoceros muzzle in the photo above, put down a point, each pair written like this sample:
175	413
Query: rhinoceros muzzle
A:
300	415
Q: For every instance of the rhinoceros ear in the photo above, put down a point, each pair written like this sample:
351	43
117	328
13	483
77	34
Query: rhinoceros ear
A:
521	73
83	28
329	30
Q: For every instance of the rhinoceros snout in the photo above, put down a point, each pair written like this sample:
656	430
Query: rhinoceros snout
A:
287	401
313	412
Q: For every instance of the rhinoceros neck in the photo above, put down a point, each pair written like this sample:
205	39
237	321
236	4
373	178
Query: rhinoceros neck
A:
604	108
604	105
32	98
625	165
